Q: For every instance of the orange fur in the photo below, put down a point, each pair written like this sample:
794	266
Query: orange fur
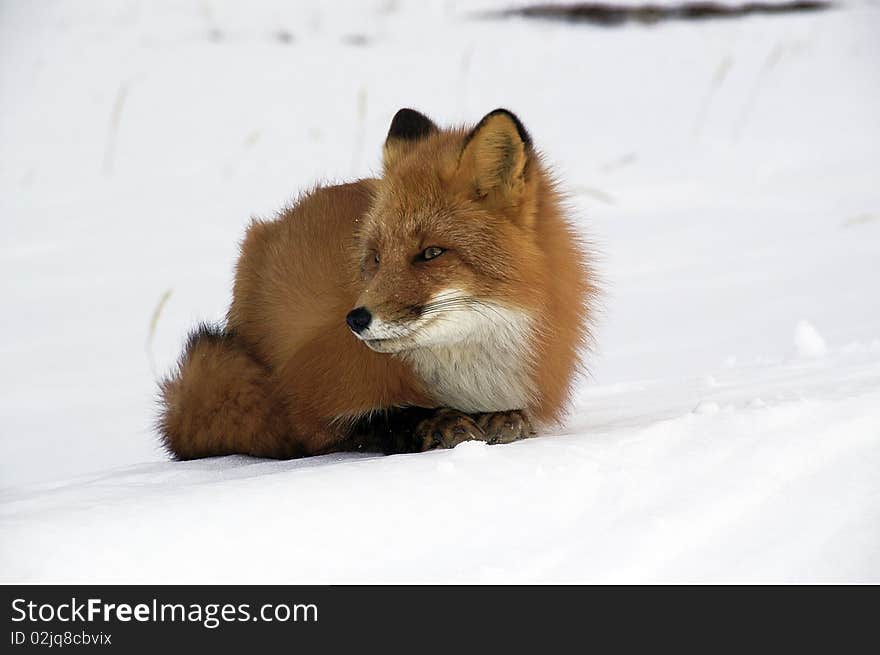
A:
287	377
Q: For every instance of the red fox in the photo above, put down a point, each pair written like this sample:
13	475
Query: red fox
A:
448	300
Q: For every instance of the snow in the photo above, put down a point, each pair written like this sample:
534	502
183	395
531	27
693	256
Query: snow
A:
706	407
726	171
808	341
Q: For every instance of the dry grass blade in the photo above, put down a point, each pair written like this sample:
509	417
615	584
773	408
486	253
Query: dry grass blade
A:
154	321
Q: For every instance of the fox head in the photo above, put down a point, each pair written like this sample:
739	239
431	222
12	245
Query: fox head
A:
448	248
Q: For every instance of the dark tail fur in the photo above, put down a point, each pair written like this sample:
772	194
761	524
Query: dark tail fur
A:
219	401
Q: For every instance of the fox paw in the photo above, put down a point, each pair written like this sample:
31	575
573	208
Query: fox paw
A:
505	427
447	428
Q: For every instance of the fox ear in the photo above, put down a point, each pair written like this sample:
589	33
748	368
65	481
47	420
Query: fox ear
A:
407	126
495	155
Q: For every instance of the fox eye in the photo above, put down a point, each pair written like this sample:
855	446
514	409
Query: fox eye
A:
431	253
369	264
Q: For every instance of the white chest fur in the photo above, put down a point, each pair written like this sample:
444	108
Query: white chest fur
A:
483	366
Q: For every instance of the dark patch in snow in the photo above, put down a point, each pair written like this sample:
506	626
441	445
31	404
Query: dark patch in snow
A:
356	39
611	15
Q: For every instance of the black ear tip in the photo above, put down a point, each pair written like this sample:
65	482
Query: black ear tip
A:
520	128
405	113
410	125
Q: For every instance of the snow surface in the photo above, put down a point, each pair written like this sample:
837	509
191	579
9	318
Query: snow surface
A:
728	173
808	341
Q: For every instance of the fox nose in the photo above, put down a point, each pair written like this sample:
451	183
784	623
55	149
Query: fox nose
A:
358	319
